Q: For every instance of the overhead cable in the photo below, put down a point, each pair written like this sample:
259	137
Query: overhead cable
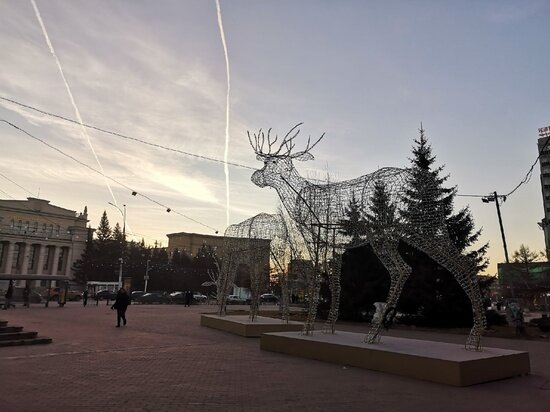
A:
134	191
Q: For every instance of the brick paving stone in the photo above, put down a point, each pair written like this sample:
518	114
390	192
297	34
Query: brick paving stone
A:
163	360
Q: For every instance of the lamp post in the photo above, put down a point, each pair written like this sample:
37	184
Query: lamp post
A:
146	277
121	260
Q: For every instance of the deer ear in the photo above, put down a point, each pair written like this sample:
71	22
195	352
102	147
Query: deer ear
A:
260	158
303	156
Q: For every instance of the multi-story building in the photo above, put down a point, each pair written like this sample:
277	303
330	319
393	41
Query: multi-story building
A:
544	161
190	243
231	248
38	239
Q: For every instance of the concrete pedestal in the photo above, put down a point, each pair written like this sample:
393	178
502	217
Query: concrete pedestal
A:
241	325
446	363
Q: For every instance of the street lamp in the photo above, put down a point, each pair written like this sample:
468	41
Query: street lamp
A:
146	277
494	198
123	213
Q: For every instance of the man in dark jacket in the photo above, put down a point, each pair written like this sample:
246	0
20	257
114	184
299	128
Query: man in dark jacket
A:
121	304
8	296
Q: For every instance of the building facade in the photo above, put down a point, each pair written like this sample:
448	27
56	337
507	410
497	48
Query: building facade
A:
37	238
190	243
241	250
544	161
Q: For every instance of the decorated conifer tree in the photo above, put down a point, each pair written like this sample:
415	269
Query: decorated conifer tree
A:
431	290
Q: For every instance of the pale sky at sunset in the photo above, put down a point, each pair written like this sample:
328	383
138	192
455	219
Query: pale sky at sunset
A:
476	73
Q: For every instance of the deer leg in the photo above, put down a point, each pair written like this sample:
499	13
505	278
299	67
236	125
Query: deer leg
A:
399	272
335	294
313	288
464	271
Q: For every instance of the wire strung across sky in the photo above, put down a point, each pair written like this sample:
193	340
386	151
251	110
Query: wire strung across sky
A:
123	136
16	184
525	180
134	191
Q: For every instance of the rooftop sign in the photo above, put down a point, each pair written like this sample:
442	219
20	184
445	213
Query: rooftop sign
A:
544	131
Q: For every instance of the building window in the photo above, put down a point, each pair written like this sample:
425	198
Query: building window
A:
19	225
60	260
19	253
34	253
48	258
44	228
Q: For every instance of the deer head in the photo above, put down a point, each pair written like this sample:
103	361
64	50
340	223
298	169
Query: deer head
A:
278	166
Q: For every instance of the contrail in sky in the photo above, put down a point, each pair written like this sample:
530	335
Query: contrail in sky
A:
82	128
226	152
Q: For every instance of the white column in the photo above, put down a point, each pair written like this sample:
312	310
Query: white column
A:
55	259
9	258
41	256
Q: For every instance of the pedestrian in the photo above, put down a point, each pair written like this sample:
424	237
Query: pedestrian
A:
8	296
188	297
121	304
85	298
26	295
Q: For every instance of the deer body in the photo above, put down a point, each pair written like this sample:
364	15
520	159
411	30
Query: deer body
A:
318	210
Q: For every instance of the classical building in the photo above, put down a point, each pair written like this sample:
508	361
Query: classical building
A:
38	239
544	161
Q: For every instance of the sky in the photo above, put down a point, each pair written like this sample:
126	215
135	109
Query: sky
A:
365	73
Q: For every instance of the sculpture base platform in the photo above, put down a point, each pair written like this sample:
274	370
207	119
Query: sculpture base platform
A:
446	363
241	325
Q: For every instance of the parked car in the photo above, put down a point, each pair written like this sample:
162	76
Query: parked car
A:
153	297
136	294
34	296
199	297
269	298
235	300
104	295
177	297
72	295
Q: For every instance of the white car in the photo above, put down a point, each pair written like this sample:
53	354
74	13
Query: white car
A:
235	300
199	297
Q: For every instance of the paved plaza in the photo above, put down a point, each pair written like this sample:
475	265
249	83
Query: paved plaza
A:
163	360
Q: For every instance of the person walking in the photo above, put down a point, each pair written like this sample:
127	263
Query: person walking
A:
85	298
8	296
26	295
188	296
121	304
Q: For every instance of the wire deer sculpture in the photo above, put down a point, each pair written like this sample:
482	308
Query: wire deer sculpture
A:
319	209
254	242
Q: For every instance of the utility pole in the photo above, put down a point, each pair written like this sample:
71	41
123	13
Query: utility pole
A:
494	198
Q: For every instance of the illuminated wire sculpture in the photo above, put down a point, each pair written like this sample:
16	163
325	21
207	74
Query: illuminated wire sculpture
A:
252	243
320	208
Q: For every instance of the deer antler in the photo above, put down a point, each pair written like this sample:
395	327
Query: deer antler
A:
308	147
256	145
287	143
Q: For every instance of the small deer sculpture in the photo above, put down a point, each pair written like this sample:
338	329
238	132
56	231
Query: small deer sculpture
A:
318	209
